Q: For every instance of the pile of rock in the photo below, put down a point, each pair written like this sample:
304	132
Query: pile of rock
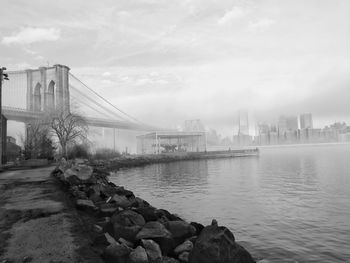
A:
130	230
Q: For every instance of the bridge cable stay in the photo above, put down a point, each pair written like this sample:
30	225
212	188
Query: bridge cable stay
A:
105	100
96	103
95	100
80	101
12	90
76	99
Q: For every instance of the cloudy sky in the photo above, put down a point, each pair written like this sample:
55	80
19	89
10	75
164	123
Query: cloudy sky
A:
165	61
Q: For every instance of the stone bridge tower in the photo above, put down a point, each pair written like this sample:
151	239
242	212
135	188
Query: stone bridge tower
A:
48	89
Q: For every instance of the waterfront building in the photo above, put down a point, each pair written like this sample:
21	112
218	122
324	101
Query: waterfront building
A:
306	121
263	128
171	142
287	129
344	137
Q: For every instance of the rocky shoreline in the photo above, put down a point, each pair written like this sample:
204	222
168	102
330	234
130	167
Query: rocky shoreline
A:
126	229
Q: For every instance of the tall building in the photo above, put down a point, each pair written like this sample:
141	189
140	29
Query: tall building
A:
289	123
292	123
282	125
243	123
306	121
241	137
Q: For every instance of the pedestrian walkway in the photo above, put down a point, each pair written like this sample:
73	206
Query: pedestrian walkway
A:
37	223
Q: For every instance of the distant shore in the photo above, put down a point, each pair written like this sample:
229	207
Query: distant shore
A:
141	160
304	144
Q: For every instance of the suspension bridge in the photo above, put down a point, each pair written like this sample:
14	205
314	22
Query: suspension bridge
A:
30	93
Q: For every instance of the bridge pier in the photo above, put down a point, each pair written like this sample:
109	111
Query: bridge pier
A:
48	89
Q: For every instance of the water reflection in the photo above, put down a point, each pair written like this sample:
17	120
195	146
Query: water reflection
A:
288	205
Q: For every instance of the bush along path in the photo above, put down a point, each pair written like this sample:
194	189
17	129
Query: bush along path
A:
127	229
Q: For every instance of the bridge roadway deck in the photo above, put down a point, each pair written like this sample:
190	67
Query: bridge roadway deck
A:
27	116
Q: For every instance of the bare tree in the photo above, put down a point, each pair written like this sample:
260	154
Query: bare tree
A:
69	128
37	142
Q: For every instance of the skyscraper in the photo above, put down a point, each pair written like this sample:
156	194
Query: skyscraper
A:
289	123
292	123
243	123
306	121
242	137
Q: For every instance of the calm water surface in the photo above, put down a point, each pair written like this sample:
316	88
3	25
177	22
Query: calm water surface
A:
291	204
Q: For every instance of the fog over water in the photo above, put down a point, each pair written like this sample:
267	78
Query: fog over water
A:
291	204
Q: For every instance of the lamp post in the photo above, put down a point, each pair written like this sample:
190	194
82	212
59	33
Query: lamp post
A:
3	76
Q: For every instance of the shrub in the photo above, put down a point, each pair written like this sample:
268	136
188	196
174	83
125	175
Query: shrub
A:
105	153
79	151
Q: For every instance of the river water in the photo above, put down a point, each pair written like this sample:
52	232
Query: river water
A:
290	204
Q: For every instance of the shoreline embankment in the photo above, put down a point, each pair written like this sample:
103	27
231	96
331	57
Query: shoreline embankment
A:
127	229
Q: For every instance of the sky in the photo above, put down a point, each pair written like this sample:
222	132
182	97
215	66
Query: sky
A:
166	61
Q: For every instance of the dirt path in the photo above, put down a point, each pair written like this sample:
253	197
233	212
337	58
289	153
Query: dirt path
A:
37	221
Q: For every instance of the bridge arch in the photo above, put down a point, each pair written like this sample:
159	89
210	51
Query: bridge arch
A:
37	97
51	95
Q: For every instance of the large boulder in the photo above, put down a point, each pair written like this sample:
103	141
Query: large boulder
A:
199	227
123	201
152	230
183	257
108	209
84	172
141	203
120	190
79	174
156	231
180	229
127	224
117	253
153	250
149	213
167	215
101	241
128	218
216	244
70	176
186	246
138	255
